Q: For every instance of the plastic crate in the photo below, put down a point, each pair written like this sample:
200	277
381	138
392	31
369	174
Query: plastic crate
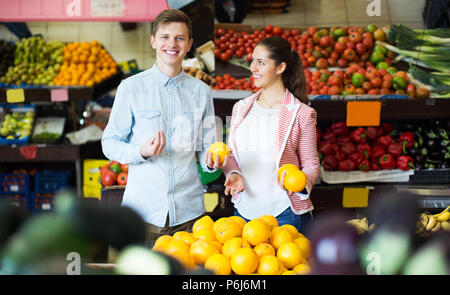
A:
15	183
49	182
42	202
19	200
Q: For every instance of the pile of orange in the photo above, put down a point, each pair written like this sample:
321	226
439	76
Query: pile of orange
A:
85	64
231	245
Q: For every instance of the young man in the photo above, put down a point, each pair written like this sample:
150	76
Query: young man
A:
161	119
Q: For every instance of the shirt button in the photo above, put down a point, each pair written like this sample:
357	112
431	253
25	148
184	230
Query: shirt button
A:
168	153
170	173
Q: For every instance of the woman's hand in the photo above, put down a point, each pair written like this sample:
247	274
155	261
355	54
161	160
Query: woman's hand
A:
214	163
281	184
154	146
234	183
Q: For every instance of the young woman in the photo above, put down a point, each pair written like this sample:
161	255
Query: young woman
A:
273	127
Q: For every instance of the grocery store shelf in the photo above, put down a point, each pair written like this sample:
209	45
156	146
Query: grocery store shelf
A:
428	196
391	109
43	153
75	93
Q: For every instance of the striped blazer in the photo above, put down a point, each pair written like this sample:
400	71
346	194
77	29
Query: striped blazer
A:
295	143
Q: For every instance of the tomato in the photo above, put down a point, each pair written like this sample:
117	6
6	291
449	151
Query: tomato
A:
410	88
277	30
325	41
331	62
335	80
358	79
399	83
379	35
224	57
355	37
108	178
249	57
376	82
295	32
104	169
122	178
368	42
227	76
342	63
268	28
334	90
373	91
361	48
422	93
221	31
350	88
312	30
402	74
385	91
386	84
124	168
359	91
349	54
367	86
321	63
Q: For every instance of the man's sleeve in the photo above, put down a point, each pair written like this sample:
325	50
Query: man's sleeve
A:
115	143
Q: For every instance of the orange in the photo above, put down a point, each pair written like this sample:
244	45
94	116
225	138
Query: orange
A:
205	235
161	243
264	249
269	265
184	236
202	250
234	244
220	149
218	222
219	264
256	231
300	235
227	230
291	228
295	181
202	223
289	254
304	246
285	167
302	269
271	220
280	236
176	245
218	245
244	261
239	220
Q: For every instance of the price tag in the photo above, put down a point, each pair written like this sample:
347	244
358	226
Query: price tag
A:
59	95
355	197
15	95
211	200
363	113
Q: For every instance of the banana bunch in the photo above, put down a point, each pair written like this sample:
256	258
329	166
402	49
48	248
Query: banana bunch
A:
429	223
361	225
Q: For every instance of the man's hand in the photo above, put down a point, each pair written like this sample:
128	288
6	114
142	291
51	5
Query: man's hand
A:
214	163
234	183
154	146
281	184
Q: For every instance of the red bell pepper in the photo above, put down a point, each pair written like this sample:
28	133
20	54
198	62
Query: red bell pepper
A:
385	140
348	148
343	139
387	128
357	157
375	166
339	128
359	135
406	139
377	152
346	165
326	148
387	161
365	149
405	163
395	149
372	133
364	165
340	156
329	163
329	136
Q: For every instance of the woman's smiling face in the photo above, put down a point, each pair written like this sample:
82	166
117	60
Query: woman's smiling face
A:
263	68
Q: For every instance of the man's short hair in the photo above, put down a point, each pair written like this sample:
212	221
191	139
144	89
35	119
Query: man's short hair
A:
172	16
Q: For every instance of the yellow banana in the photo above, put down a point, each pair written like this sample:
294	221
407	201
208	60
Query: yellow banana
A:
424	219
443	217
445	225
436	227
443	211
431	222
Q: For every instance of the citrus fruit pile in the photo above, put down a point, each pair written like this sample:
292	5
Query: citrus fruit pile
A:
231	245
85	64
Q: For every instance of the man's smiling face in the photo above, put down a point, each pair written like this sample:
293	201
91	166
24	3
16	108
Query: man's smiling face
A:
171	42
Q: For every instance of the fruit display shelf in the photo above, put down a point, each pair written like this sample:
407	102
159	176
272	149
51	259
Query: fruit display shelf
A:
75	93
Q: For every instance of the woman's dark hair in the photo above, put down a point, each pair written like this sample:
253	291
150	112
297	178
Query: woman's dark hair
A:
293	76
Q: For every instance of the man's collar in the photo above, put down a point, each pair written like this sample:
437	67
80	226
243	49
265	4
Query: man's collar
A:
164	79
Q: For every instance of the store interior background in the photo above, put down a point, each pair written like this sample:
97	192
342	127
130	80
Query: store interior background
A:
135	44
